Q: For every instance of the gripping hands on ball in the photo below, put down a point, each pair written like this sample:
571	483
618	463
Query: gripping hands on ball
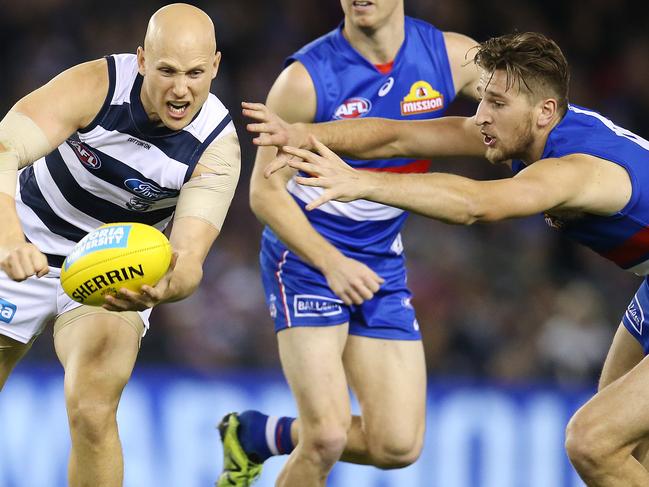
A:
148	297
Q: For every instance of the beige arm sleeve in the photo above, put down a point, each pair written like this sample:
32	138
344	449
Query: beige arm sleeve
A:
21	143
207	195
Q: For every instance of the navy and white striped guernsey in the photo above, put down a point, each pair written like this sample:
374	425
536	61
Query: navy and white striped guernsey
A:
122	167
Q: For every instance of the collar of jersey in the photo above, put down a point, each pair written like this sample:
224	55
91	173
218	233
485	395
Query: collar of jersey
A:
349	51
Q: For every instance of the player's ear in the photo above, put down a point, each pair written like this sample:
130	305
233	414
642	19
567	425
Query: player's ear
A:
546	112
140	60
215	64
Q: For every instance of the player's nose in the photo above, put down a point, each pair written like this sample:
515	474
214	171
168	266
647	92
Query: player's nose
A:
180	86
482	115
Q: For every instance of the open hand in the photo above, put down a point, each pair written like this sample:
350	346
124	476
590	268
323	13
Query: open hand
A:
340	181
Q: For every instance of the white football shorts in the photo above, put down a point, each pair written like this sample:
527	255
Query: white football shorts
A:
27	307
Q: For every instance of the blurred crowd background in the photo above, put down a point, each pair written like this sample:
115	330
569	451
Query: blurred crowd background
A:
511	301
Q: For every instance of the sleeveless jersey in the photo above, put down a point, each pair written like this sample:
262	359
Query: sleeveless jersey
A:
122	167
623	237
419	86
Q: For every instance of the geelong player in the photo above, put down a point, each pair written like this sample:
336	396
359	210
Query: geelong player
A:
588	175
335	279
123	138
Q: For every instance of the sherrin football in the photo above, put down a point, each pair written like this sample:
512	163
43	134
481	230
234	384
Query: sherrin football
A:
114	256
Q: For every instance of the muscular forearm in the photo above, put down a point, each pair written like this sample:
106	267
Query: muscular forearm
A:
368	138
445	197
374	138
185	279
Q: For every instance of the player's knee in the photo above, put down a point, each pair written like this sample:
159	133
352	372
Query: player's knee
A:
587	445
325	445
91	420
395	452
91	414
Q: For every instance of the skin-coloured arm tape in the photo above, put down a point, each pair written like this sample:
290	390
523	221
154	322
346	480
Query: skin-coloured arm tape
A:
21	143
207	196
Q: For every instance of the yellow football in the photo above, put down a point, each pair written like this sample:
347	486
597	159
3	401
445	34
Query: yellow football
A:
114	256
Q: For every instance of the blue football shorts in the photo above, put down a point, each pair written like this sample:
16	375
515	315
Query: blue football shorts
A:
298	295
636	317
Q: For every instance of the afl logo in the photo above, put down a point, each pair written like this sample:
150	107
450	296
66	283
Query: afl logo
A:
352	108
87	157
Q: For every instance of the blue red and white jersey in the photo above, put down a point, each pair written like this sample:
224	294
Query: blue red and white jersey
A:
623	237
122	167
418	86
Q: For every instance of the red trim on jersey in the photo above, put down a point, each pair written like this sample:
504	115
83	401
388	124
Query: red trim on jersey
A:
282	291
418	166
278	437
630	250
384	68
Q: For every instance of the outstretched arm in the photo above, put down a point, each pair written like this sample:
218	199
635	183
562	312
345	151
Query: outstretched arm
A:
577	182
368	138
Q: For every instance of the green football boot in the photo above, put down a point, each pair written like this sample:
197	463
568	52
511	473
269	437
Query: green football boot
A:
238	469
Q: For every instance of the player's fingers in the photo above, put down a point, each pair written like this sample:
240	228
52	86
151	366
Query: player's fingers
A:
254	114
355	296
267	140
311	181
320	148
280	162
257	111
324	198
112	303
261	128
14	269
253	106
307	167
372	285
40	264
364	291
305	154
273	167
345	298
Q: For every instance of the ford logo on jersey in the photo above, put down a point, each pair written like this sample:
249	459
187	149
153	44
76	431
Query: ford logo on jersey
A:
352	108
86	156
149	191
7	310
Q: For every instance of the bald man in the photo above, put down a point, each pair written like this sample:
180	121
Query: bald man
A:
123	138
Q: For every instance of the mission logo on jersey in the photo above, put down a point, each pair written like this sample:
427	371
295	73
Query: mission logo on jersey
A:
422	98
352	108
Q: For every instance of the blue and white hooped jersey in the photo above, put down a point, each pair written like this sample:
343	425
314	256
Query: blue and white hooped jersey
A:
418	86
122	167
623	237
